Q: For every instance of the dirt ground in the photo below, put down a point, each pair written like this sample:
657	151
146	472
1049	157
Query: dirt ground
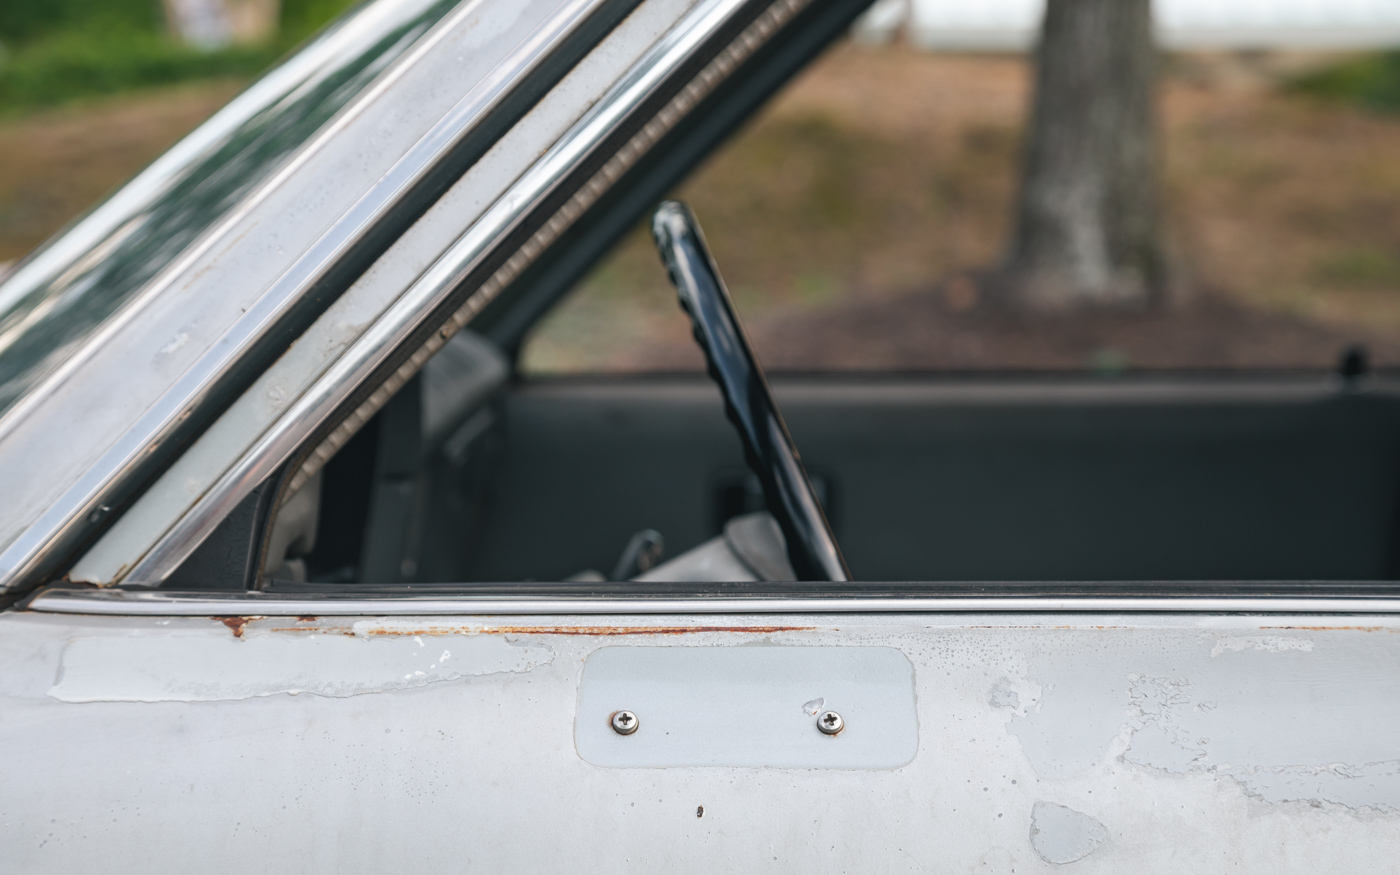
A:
56	164
853	216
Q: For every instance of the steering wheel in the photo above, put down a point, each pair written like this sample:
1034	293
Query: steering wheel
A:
748	400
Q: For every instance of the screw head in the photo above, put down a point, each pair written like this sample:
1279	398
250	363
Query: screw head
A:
830	723
624	722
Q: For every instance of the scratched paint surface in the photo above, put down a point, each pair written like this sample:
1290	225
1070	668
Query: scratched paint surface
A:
167	669
1084	744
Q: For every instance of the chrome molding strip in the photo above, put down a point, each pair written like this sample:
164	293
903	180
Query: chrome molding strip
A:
81	501
154	603
116	218
658	66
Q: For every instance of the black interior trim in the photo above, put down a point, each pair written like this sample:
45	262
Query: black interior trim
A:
228	558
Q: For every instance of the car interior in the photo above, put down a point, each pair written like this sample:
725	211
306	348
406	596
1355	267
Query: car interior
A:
474	474
924	477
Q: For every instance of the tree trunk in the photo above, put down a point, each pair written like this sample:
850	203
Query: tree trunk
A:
1087	232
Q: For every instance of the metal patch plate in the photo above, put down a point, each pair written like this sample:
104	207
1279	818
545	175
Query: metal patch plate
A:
753	706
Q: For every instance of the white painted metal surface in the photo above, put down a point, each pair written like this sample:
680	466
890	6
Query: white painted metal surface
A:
1172	743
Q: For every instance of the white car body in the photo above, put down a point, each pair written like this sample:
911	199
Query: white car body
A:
228	725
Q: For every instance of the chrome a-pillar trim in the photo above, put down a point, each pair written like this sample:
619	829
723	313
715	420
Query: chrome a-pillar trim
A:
656	72
72	258
157	603
83	504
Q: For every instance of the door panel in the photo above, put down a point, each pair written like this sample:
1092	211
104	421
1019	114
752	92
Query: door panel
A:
926	479
1125	743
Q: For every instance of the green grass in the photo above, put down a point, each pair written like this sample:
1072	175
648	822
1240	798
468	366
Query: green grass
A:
1359	267
26	21
1370	81
58	51
78	65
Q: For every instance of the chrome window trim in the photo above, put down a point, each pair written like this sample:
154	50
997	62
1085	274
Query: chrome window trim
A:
84	503
778	14
481	241
156	603
588	69
92	238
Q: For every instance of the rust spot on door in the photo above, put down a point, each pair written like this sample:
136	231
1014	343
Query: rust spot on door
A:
235	624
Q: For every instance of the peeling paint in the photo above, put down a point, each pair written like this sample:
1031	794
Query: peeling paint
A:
200	669
1063	835
1266	643
1239	708
1003	696
1157	738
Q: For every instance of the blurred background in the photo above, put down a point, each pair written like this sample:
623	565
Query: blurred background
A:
873	215
91	91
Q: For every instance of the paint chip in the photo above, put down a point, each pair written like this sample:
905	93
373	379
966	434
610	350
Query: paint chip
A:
1063	835
1266	643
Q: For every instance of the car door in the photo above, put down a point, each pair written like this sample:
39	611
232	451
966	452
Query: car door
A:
1027	732
170	703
